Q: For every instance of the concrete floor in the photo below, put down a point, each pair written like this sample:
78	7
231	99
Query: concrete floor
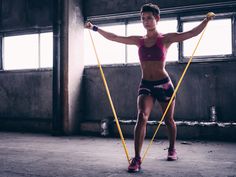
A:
35	155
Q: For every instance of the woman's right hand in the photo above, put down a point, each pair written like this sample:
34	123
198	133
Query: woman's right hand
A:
88	25
210	16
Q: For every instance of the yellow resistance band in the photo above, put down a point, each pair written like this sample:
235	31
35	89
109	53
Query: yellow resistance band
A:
172	98
111	103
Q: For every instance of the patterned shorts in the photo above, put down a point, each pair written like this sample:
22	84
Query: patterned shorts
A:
160	90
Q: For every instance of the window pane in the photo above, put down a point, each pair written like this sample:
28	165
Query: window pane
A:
216	40
169	26
46	50
20	52
134	29
89	54
163	27
108	52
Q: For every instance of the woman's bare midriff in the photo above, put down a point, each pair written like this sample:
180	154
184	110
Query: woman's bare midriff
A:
153	70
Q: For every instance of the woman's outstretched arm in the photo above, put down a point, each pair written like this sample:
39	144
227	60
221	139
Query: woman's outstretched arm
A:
179	37
131	40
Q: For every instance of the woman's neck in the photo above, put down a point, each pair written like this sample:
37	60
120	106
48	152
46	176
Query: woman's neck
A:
152	33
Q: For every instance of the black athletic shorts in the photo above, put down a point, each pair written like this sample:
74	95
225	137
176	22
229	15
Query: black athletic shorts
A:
160	90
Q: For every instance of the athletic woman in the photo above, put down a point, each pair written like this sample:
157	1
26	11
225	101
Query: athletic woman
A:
155	82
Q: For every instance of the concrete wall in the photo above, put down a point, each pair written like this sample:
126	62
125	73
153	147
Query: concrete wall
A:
204	85
30	98
25	14
26	96
72	52
123	6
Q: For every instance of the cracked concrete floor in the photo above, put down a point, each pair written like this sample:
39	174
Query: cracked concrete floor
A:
40	155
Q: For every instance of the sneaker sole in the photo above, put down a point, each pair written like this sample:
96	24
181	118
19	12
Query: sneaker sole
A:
134	171
171	159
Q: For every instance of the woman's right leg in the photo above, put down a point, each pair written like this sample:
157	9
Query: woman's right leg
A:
144	104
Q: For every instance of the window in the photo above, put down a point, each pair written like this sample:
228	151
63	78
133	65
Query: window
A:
108	52
27	51
217	42
114	53
132	51
217	39
169	26
46	50
165	26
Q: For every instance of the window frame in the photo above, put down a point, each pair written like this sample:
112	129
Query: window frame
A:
182	14
19	33
207	58
1	53
126	22
125	47
234	34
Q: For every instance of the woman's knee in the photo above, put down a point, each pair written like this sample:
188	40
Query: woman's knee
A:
142	117
170	121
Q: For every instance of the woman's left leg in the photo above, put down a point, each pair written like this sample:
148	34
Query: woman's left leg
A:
171	126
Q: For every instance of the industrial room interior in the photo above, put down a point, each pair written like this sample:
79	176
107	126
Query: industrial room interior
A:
55	115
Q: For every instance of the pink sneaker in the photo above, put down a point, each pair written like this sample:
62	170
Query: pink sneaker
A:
135	165
172	155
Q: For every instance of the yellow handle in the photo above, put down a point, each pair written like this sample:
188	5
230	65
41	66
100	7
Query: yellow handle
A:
210	15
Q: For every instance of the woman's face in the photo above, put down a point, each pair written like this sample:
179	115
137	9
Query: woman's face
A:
149	20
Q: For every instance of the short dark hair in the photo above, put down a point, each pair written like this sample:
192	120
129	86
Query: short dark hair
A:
150	8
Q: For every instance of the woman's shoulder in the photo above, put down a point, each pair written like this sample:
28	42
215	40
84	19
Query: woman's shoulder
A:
166	37
169	35
137	39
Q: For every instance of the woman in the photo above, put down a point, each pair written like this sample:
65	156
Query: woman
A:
155	83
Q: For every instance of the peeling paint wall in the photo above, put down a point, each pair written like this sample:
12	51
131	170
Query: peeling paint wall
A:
26	14
204	85
26	96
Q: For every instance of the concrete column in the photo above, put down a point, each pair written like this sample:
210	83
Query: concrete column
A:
57	68
71	66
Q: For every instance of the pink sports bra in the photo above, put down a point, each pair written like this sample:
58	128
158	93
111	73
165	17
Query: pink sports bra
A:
157	52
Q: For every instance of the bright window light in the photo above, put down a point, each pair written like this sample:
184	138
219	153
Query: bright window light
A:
163	27
169	26
217	39
28	51
46	50
108	52
20	52
135	29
